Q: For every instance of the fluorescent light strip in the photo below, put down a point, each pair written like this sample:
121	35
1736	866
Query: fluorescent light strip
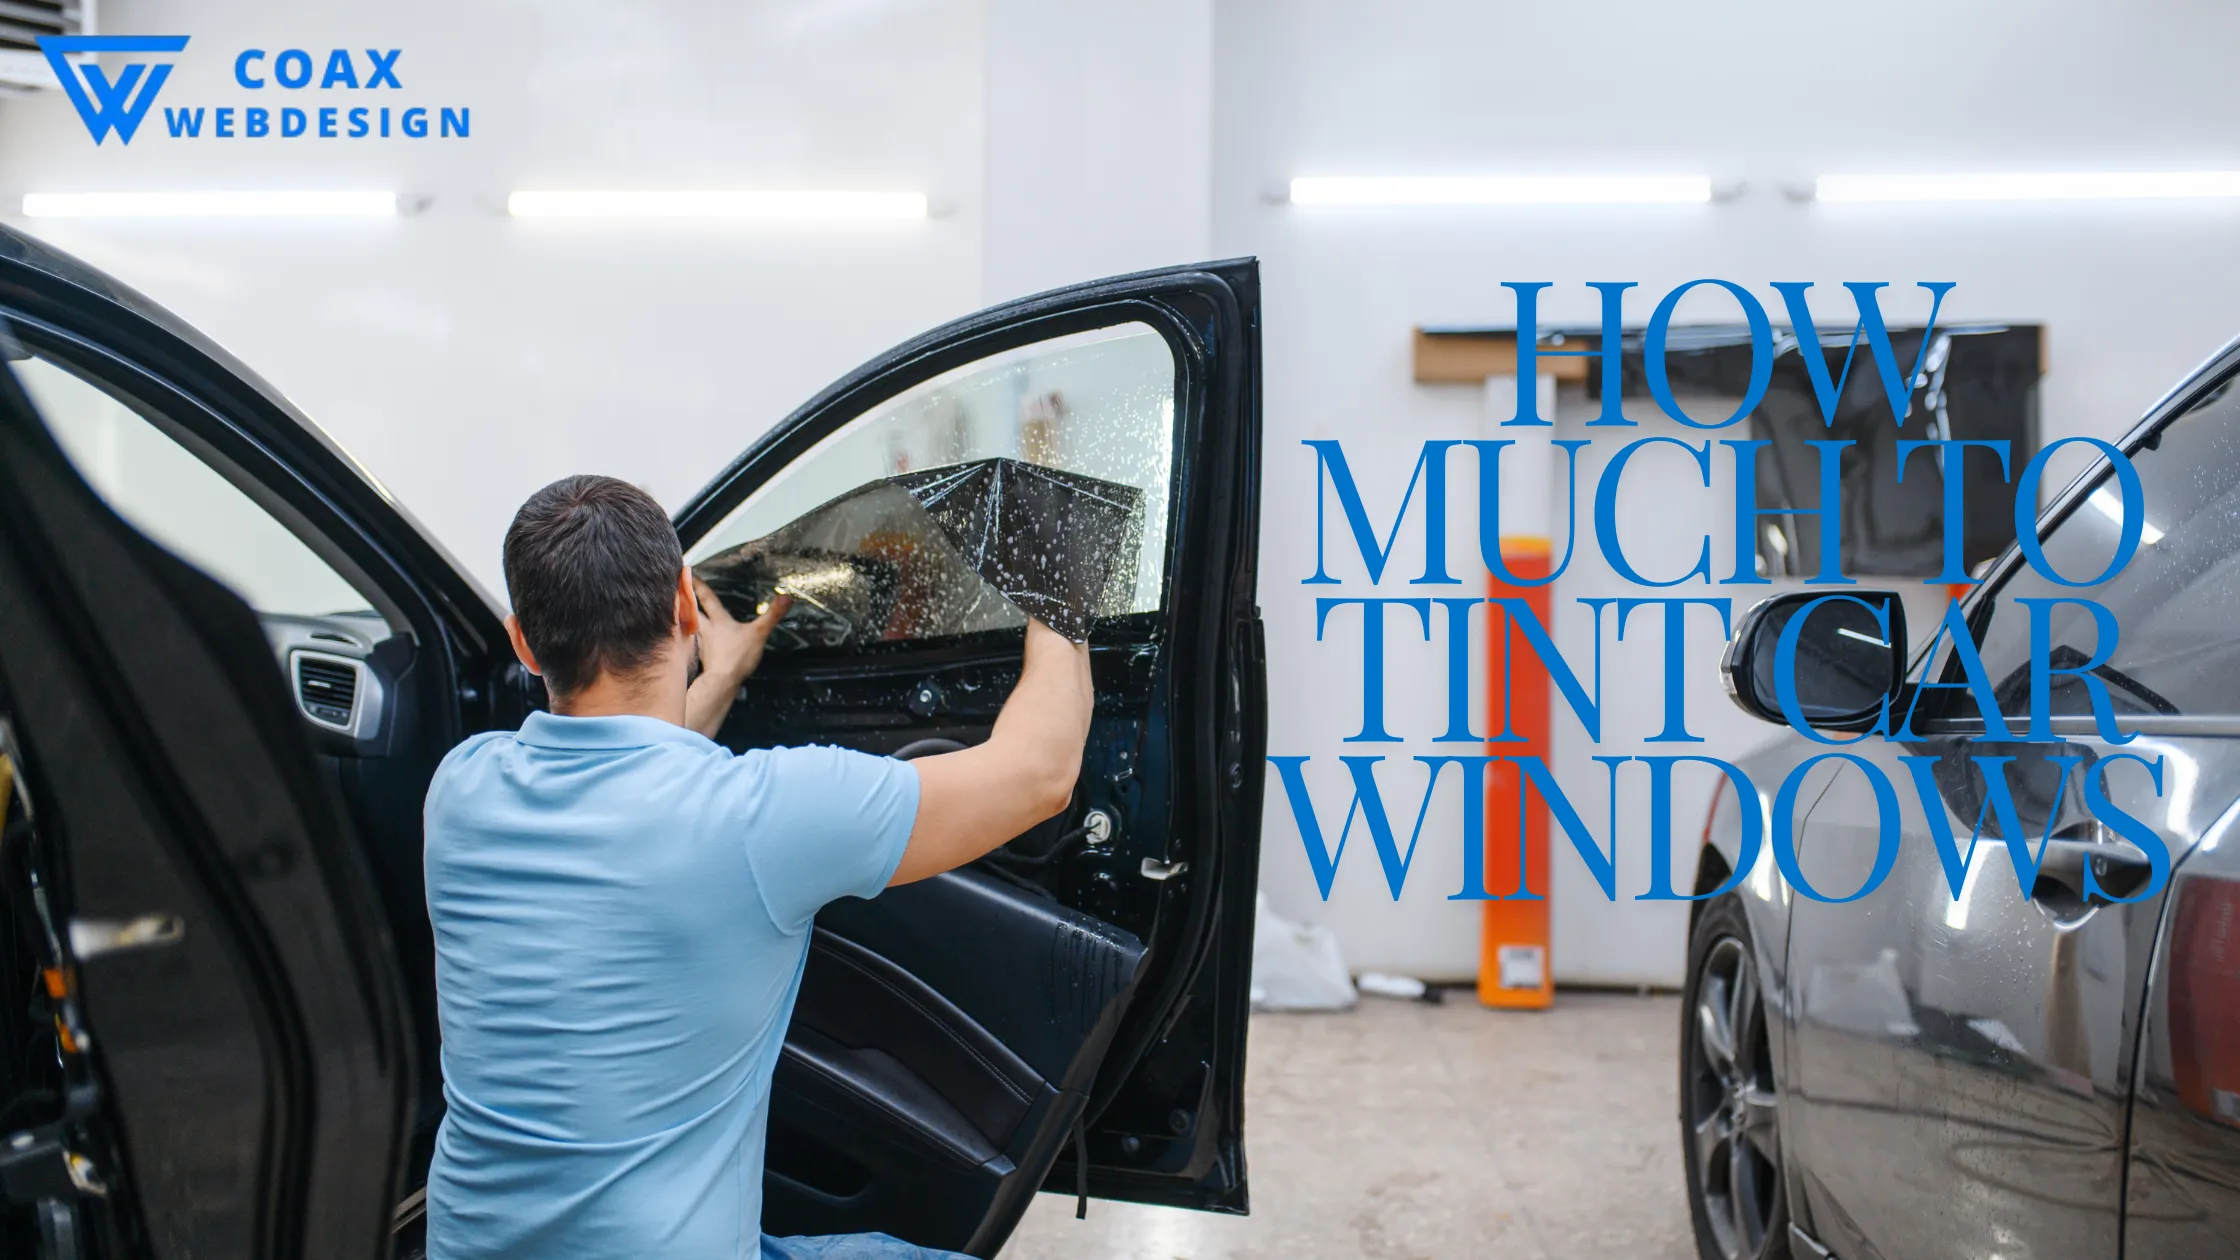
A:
2057	186
773	206
1499	190
209	205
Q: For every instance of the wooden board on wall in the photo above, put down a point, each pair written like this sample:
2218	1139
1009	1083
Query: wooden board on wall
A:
1468	358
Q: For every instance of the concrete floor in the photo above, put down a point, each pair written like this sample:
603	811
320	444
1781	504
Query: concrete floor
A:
1407	1130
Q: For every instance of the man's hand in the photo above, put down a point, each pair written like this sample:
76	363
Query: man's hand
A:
730	649
975	799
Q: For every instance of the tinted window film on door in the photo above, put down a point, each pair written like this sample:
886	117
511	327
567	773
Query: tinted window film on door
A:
2176	602
1078	422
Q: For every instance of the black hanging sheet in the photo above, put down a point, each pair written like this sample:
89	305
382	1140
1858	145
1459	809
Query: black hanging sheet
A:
977	546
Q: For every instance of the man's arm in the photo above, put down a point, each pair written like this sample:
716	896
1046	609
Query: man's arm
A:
973	800
729	651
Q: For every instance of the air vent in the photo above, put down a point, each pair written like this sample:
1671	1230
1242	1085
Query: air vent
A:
327	688
22	22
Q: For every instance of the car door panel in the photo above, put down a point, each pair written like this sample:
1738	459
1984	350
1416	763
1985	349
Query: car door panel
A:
437	666
1044	981
907	1097
951	693
1961	1067
858	998
253	1059
1103	968
2182	1184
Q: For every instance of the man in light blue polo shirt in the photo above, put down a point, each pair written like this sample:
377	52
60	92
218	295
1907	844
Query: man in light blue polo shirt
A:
622	907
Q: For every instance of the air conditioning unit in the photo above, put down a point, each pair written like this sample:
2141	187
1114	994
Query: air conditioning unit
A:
22	22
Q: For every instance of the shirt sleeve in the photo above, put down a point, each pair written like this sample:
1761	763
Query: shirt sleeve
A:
832	823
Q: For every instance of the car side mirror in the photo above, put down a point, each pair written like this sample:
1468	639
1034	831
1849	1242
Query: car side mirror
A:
1848	654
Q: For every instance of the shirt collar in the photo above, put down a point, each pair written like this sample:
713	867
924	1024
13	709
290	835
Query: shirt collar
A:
551	730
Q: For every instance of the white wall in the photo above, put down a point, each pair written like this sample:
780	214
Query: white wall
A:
2132	295
468	358
1100	140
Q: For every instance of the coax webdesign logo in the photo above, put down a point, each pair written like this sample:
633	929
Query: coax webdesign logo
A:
122	103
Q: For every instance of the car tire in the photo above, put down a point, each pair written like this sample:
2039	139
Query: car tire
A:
1730	1135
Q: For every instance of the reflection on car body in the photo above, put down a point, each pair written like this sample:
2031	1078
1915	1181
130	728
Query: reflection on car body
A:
2000	1070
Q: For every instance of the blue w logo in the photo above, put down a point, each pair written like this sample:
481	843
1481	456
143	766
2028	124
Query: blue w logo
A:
101	103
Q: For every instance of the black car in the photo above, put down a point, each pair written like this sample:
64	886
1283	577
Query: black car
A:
2009	1072
229	664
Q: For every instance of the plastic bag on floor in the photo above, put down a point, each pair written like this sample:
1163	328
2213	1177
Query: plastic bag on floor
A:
1296	966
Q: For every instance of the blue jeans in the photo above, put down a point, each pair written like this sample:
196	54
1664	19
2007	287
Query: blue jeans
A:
850	1247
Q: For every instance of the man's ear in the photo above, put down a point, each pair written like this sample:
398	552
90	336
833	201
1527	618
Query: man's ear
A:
688	604
521	650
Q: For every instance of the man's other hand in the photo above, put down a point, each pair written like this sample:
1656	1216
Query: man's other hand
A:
730	650
972	800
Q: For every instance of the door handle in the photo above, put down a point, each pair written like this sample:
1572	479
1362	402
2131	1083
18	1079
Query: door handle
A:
96	938
2119	868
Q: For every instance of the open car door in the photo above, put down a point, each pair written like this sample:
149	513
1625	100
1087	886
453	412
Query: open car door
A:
218	1055
1069	1012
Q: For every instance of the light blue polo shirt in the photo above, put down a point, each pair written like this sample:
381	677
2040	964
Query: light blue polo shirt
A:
622	912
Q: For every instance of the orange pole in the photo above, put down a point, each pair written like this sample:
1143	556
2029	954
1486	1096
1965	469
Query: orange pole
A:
1513	969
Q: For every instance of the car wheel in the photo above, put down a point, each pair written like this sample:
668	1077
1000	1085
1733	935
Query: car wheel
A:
1730	1106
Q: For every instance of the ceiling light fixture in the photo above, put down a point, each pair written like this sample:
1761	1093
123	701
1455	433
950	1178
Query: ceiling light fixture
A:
1498	190
209	205
2044	186
772	206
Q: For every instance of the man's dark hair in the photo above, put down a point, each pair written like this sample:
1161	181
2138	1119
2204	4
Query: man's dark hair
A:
591	566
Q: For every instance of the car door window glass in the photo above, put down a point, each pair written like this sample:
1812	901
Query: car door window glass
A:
1099	404
2177	601
179	501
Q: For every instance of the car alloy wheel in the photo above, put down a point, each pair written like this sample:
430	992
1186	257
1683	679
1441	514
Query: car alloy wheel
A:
1731	1110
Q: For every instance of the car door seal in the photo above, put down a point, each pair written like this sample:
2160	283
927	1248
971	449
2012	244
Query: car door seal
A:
1081	1165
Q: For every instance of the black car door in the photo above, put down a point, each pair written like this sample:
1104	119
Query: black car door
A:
217	1058
1070	1011
388	653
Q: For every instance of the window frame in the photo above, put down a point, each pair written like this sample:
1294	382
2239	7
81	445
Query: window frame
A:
923	359
251	469
968	388
469	681
2217	372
